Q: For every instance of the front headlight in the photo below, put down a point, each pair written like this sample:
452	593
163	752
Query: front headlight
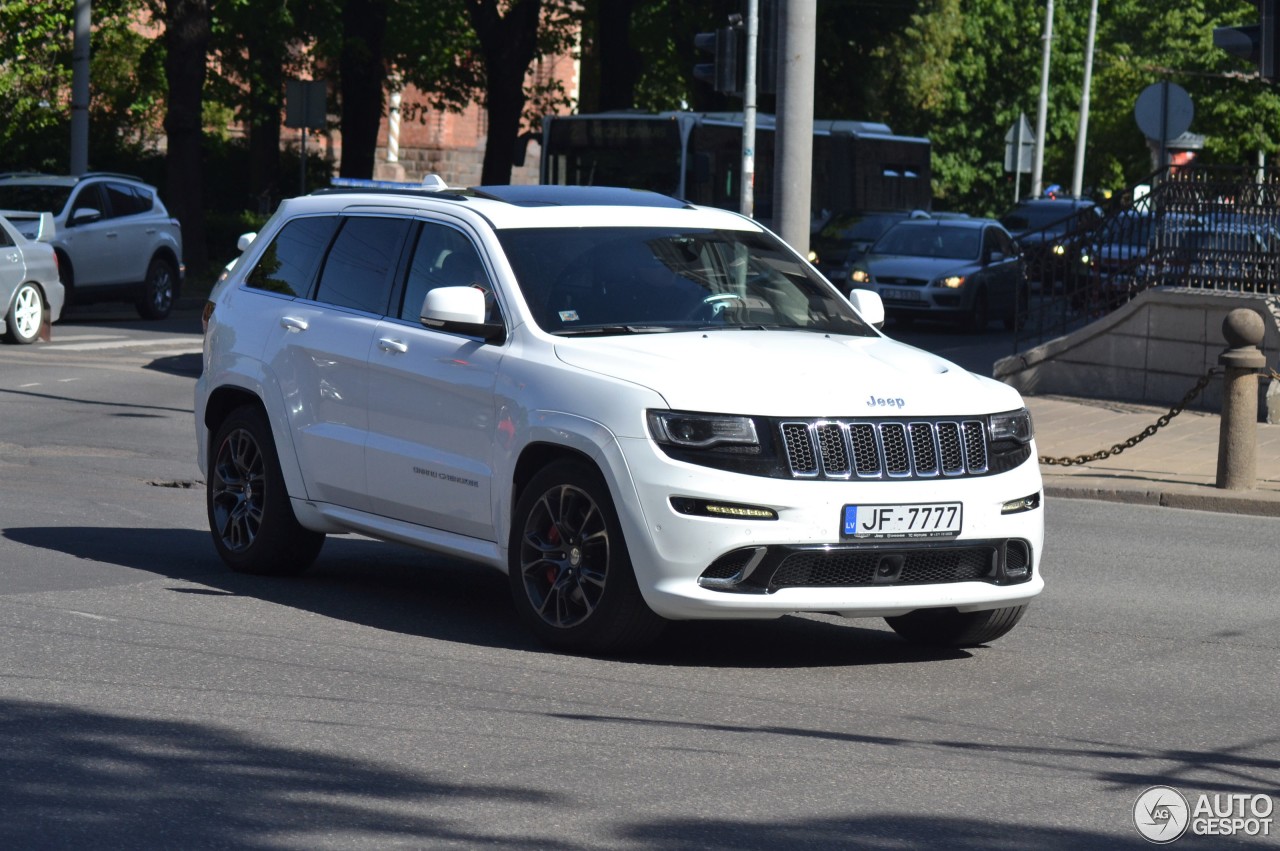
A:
701	431
1013	426
952	282
860	276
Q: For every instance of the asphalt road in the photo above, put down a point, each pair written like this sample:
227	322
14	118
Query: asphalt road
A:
151	699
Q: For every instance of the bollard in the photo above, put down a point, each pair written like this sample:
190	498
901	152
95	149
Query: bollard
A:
1238	432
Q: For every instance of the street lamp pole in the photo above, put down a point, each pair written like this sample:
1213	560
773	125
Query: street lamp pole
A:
1077	177
1037	162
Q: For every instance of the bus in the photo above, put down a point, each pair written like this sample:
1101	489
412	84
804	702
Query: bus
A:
857	165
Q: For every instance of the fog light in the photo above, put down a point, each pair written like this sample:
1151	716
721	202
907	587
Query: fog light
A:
703	508
1017	506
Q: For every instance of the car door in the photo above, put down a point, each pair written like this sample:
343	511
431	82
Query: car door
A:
433	423
135	231
13	269
317	349
90	238
1001	270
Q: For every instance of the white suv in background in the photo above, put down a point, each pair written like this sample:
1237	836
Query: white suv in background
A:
639	409
114	238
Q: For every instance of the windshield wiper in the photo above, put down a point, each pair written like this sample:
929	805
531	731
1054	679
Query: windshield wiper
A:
608	330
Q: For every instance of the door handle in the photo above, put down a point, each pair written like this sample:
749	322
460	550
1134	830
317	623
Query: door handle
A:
291	323
389	345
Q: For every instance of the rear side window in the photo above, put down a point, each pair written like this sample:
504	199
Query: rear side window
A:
362	263
125	200
289	264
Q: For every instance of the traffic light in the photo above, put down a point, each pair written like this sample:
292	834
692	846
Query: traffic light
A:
726	72
1258	42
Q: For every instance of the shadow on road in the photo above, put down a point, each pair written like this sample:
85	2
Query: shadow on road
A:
73	778
400	589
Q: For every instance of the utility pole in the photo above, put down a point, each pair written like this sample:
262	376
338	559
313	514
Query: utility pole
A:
746	203
1077	177
1037	161
80	89
793	138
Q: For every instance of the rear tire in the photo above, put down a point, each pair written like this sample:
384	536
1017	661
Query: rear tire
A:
26	314
159	290
252	523
952	628
571	576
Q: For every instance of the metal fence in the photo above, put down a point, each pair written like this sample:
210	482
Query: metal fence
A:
1203	227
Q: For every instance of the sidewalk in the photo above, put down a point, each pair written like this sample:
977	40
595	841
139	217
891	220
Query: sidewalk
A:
1177	466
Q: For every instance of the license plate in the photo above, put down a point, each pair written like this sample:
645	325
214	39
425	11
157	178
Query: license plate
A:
920	520
900	294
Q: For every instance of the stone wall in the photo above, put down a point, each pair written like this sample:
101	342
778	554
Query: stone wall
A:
1152	350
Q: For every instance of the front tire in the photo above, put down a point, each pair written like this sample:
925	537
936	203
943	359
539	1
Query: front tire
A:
250	518
26	313
952	628
159	290
979	316
571	576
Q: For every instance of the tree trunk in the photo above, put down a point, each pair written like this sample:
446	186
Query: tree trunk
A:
363	71
508	44
186	45
619	59
266	88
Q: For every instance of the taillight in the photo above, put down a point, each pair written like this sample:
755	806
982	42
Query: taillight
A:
205	316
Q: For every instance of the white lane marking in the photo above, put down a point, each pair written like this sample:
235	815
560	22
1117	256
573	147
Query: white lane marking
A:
124	344
88	615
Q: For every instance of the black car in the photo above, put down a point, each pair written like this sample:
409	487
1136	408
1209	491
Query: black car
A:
844	237
1054	234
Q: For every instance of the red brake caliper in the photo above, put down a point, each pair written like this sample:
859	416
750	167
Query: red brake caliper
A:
553	535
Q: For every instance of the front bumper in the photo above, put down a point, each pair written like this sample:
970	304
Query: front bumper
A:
678	558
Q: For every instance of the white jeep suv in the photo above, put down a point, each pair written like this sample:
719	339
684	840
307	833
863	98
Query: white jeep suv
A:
114	239
639	409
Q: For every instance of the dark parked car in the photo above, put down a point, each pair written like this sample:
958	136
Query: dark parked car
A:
846	236
962	270
1053	234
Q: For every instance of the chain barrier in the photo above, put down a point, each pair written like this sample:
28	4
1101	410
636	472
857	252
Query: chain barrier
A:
1069	461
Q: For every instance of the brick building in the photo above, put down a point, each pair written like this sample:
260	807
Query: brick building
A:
425	141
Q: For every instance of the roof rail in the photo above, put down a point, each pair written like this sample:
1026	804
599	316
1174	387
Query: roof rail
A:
430	183
118	174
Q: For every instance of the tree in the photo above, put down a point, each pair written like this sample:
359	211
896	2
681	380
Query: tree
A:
362	74
508	43
186	38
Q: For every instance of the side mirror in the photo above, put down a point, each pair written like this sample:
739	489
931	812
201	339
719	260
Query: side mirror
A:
460	310
868	305
83	216
245	240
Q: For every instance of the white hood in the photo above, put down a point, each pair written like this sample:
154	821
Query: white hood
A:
790	373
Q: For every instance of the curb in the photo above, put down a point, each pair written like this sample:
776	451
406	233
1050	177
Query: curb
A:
1197	498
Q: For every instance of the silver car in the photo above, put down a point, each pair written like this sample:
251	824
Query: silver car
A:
29	284
115	239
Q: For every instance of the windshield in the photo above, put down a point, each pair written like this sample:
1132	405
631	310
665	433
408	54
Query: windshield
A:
930	240
35	199
630	280
1032	217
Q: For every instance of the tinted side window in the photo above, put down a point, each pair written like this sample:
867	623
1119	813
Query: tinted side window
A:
89	198
443	257
361	265
122	199
5	239
289	263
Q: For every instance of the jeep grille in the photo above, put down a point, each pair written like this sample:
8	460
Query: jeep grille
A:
875	449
